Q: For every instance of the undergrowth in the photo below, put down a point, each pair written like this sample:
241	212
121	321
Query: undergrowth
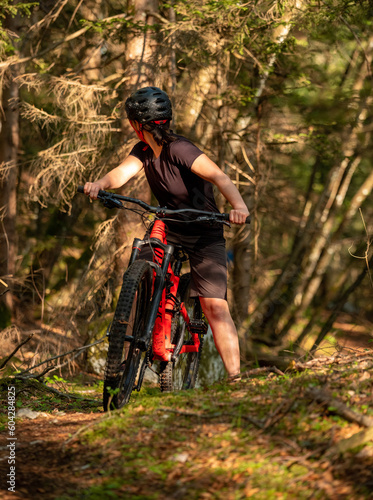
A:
267	437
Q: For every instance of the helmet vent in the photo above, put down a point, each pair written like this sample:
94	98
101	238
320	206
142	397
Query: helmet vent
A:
147	104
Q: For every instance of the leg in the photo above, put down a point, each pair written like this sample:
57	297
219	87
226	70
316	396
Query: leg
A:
224	332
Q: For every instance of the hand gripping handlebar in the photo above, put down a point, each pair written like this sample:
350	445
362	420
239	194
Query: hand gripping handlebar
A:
112	200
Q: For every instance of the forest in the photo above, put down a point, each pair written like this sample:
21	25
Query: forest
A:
278	93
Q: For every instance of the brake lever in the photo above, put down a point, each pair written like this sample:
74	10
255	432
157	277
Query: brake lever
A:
110	202
211	220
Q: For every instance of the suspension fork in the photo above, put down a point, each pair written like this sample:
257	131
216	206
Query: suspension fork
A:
162	325
162	257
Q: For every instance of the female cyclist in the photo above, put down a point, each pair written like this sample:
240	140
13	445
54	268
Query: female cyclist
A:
181	176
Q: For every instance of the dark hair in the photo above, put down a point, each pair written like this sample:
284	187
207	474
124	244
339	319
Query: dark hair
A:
161	132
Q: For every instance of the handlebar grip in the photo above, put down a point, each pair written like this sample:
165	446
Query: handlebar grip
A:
100	193
226	217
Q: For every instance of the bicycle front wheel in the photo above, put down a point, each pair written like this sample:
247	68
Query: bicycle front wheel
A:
123	358
182	374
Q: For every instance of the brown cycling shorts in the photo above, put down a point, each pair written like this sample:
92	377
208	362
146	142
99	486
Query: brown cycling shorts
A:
208	263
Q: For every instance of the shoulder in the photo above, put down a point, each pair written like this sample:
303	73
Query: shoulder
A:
183	151
181	141
140	150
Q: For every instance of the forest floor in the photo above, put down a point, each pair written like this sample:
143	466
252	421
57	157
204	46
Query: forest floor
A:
302	434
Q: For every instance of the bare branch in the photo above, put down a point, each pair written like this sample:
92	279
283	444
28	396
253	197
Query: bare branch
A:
14	60
353	441
50	17
338	407
77	350
15	350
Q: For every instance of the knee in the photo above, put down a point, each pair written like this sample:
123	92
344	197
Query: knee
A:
215	309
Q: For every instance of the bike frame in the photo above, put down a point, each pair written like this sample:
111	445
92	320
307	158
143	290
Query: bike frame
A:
164	302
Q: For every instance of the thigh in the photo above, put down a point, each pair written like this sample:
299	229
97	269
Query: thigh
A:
208	262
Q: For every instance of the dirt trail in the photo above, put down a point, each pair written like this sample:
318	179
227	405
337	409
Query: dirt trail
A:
43	465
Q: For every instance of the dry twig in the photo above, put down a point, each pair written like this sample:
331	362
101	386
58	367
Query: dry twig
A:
78	350
353	441
279	412
263	369
338	407
15	350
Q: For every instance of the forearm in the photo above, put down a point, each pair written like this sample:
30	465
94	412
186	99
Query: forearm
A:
114	179
230	192
209	171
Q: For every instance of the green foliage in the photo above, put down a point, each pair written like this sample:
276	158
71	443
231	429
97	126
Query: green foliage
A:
107	27
55	379
284	89
11	9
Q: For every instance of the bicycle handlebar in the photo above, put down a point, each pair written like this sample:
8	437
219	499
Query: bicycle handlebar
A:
113	200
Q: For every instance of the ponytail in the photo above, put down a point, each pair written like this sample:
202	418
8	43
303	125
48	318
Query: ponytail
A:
160	130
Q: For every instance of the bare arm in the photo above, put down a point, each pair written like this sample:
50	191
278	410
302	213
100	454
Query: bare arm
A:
115	178
208	170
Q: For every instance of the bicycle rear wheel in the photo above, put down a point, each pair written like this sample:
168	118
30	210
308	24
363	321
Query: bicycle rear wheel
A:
123	358
182	374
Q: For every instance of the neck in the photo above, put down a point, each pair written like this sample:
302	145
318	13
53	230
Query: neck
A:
157	150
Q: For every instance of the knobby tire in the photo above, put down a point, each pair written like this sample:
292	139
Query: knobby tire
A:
123	358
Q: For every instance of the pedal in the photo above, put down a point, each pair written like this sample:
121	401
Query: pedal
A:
198	326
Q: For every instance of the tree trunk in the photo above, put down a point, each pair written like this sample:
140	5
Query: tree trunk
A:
198	86
242	240
291	294
9	145
340	302
356	202
141	58
90	65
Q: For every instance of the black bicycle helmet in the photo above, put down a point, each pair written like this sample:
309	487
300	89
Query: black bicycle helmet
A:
148	104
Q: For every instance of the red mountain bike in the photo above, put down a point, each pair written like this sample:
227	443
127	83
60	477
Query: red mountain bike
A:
155	321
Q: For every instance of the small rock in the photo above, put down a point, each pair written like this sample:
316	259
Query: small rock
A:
58	412
365	452
27	413
181	457
365	376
